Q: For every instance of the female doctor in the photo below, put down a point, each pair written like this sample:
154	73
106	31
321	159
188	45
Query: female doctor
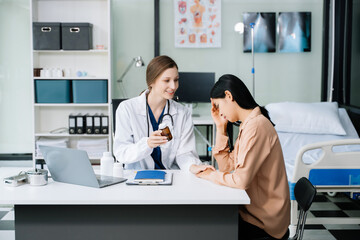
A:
138	142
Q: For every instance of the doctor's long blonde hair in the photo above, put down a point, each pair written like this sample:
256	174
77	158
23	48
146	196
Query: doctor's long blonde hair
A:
156	67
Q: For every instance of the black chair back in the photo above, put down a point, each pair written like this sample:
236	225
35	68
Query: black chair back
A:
115	104
305	193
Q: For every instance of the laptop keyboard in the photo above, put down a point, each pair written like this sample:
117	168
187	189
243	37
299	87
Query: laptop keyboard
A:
105	180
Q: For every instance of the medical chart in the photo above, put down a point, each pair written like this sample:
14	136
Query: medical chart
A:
197	23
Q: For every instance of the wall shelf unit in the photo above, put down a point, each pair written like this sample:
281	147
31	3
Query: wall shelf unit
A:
94	63
71	105
46	134
70	78
91	51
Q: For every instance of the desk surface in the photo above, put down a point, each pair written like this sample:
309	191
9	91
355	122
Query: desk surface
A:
186	189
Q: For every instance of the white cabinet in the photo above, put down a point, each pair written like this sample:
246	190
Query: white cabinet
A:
96	63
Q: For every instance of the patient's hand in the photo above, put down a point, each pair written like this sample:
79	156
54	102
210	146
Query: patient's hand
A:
219	120
195	169
206	174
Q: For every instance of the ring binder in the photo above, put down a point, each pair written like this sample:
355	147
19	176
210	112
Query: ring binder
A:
97	124
104	124
72	124
89	124
80	128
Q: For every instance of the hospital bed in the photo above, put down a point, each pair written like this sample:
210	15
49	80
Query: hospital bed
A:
330	161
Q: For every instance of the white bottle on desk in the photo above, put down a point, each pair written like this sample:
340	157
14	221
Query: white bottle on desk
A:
107	164
118	170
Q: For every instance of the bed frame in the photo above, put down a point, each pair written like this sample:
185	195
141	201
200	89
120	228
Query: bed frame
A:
320	173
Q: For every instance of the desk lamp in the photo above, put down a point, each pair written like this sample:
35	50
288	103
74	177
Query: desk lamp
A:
139	62
239	27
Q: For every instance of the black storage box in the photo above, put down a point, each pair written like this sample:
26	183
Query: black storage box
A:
76	36
46	36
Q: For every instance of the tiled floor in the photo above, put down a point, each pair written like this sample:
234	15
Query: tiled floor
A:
7	225
339	206
324	205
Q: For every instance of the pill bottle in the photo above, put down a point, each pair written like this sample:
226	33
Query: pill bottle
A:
106	164
118	170
165	131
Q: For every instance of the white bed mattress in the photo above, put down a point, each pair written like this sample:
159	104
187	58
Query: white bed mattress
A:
292	142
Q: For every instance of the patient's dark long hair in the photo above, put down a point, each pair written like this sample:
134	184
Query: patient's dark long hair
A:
239	91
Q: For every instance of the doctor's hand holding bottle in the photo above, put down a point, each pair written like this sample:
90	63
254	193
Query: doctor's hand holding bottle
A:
156	139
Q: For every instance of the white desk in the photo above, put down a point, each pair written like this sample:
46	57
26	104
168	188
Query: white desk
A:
191	208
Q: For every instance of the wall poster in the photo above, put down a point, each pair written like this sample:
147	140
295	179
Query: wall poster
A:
197	23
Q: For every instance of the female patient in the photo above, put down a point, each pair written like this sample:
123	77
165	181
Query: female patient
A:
138	142
256	164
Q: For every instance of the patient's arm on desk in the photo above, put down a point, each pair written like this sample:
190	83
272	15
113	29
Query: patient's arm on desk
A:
195	169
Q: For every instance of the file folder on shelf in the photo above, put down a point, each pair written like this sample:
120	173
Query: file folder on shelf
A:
89	124
80	128
54	142
97	124
72	124
95	147
104	124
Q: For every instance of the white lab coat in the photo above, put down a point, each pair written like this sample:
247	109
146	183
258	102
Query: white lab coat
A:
131	135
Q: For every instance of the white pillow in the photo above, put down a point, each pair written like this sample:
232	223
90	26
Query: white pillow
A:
313	118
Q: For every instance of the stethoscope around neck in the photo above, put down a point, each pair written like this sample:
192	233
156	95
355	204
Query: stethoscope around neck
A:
161	118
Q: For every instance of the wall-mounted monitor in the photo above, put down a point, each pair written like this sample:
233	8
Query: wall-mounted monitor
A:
195	87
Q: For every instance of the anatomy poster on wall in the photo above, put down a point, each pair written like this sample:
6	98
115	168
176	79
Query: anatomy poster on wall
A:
197	23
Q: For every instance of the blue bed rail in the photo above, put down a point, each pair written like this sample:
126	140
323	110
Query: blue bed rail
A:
330	177
291	187
334	176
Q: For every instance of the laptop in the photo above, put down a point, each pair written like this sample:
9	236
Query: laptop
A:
73	166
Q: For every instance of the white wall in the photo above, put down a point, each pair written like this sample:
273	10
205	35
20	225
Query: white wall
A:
15	77
133	35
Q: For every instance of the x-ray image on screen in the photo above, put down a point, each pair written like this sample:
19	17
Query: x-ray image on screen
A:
264	31
294	31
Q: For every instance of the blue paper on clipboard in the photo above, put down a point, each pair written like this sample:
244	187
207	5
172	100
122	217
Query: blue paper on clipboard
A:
151	177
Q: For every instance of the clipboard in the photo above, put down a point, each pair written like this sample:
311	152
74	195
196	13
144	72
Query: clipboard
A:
167	181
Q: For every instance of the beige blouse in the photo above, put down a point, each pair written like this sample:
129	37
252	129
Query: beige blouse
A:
256	165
